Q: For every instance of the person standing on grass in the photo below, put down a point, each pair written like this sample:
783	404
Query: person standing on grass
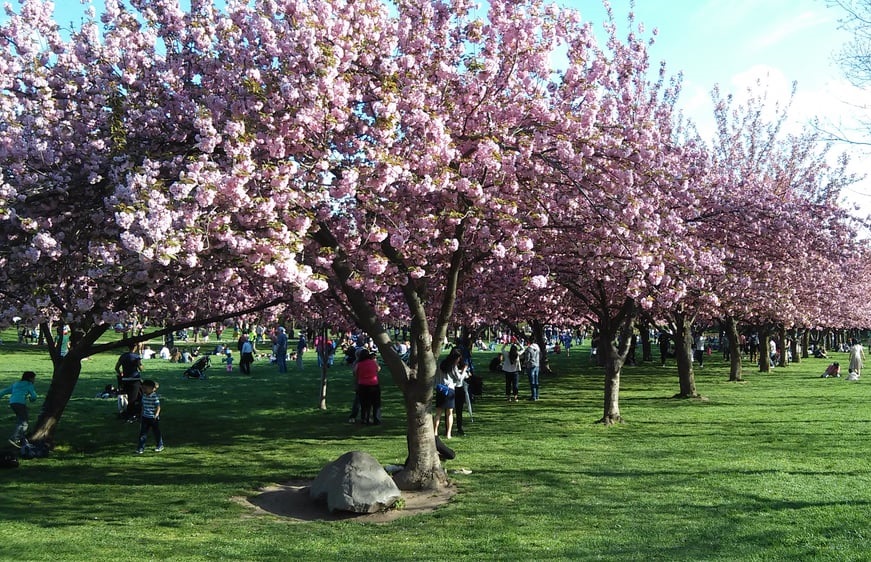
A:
368	388
128	369
451	373
247	357
699	348
533	361
18	393
461	392
359	355
664	344
150	419
753	347
857	357
281	350
301	346
511	369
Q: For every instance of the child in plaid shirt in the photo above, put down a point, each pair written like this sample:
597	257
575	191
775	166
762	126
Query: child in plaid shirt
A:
150	419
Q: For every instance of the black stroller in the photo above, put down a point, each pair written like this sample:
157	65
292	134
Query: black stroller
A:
199	368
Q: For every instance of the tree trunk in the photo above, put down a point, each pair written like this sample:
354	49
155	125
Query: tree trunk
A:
423	469
794	345
764	358
683	353
731	326
63	382
805	343
613	366
613	356
781	346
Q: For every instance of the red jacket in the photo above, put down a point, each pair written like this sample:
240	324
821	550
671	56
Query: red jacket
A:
367	372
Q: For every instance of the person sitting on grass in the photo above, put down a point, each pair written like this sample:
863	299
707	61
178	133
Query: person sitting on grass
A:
833	370
19	393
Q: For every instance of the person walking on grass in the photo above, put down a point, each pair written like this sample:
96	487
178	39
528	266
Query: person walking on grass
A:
150	419
18	393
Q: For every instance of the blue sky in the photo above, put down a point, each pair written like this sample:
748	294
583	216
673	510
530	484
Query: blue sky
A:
730	43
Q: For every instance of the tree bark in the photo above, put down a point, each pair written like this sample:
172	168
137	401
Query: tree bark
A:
63	381
423	469
613	356
683	353
613	366
764	357
731	326
794	345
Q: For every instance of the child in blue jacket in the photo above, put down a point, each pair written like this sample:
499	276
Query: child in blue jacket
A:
19	393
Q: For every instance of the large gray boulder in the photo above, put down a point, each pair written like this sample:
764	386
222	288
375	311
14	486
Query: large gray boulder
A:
355	482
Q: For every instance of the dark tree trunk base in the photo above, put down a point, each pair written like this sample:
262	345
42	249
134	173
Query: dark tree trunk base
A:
611	420
411	480
694	396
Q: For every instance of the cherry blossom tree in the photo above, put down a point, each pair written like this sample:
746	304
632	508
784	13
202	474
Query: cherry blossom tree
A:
391	154
772	206
400	162
615	212
111	203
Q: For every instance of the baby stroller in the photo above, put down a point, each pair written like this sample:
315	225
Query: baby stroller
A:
198	369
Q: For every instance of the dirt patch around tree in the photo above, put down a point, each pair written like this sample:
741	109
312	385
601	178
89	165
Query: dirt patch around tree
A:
291	500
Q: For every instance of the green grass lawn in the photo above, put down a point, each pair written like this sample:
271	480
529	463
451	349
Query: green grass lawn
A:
774	468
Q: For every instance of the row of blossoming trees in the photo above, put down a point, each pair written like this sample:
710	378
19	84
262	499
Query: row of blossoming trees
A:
421	162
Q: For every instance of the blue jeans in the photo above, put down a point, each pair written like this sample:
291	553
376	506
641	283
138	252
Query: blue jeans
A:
533	381
281	360
145	425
